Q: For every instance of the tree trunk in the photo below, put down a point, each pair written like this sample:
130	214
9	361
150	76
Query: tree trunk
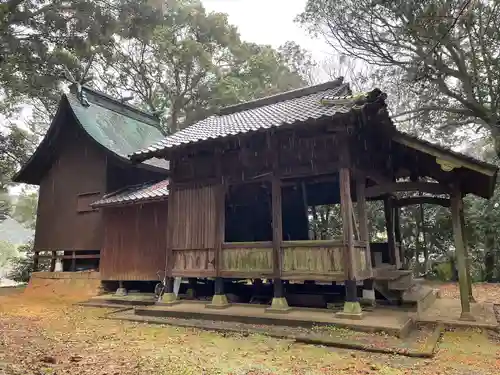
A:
454	271
489	258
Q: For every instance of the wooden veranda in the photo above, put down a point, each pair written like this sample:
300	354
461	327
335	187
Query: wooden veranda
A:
242	184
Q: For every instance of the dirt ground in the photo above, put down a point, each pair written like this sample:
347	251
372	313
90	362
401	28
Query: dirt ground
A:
49	335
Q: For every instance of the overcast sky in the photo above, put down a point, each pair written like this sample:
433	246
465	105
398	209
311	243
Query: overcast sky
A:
269	22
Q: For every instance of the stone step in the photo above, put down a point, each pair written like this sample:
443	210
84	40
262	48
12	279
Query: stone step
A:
422	296
391	274
392	297
402	283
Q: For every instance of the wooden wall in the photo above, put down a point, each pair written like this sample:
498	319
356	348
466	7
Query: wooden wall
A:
135	241
80	168
194	231
294	153
198	249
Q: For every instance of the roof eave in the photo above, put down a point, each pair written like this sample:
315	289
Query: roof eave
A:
111	153
167	150
129	202
23	175
490	171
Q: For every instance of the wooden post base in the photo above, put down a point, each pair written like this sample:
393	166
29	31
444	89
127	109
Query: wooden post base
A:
169	299
279	305
219	301
352	310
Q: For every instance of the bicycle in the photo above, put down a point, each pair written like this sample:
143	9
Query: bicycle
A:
160	287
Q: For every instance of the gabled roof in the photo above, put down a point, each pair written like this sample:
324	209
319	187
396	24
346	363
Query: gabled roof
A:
288	108
118	128
476	176
317	103
148	192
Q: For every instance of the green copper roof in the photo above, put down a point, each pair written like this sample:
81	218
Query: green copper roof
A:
118	127
115	126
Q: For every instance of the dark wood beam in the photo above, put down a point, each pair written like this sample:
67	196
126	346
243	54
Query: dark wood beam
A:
220	211
362	216
397	233
403	202
277	224
346	212
424	187
391	236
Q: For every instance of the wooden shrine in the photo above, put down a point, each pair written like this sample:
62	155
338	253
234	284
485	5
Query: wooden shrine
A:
243	182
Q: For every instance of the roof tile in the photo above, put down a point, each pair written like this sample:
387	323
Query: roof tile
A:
135	194
282	109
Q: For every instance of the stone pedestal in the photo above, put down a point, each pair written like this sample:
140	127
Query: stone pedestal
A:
279	305
352	310
169	299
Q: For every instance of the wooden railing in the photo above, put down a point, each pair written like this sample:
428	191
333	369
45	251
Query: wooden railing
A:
321	260
53	256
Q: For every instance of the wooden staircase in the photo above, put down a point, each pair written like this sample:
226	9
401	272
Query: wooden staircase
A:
397	287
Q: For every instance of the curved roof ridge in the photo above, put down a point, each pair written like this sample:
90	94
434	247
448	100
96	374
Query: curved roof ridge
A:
116	132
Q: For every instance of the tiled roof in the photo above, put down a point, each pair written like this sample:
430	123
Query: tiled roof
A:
292	107
151	191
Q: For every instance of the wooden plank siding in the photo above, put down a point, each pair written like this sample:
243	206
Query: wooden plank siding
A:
194	230
135	241
312	260
247	259
80	168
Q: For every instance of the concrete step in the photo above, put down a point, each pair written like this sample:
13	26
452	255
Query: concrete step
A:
391	274
393	297
402	283
422	296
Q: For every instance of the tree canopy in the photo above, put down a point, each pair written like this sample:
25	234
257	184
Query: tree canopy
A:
447	50
176	60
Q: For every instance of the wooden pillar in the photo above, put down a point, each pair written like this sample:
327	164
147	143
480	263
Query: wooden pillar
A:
73	261
389	225
467	255
219	287
397	233
35	261
53	261
368	291
362	217
456	207
169	296
351	306
219	300
279	301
